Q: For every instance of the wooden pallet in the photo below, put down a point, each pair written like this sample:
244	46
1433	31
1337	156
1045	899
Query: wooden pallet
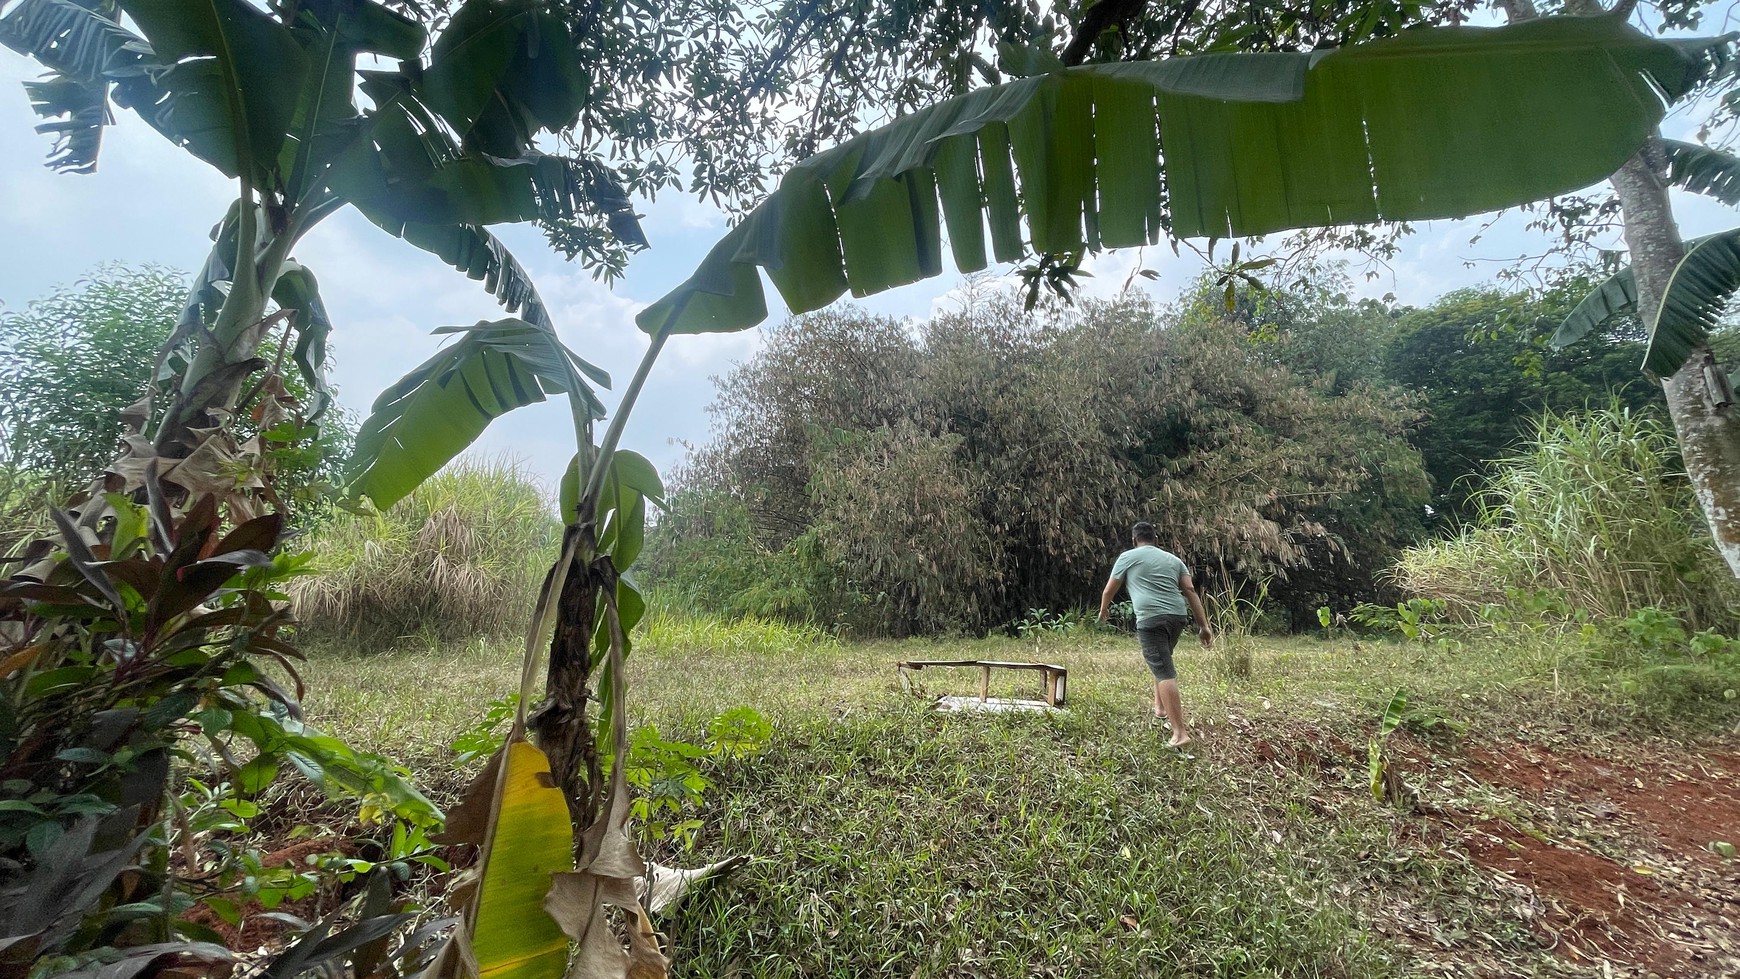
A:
1053	679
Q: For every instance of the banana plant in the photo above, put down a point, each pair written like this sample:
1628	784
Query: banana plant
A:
310	107
298	106
1702	283
1432	123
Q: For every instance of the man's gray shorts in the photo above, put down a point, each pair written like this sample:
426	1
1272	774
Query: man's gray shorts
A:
1157	639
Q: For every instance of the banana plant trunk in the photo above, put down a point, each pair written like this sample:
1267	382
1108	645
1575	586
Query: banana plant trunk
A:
559	724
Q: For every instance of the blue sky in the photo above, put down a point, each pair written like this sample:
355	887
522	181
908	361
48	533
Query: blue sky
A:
151	203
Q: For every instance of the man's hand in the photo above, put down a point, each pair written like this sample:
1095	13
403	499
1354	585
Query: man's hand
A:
1206	635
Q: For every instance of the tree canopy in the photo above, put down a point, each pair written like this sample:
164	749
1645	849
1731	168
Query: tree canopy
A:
955	474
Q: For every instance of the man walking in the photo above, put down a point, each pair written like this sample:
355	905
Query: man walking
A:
1165	598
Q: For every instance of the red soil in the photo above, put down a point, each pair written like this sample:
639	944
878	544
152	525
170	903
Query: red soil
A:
1605	857
1618	855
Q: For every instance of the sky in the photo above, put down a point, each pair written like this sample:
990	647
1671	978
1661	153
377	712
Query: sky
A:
150	203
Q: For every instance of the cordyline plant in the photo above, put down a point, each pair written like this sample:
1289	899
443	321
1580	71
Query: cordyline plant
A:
442	145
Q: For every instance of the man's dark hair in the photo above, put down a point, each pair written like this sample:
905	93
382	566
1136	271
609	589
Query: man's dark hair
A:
1144	533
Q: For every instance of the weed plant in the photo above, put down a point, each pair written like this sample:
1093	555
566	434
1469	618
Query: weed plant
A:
1235	619
460	557
1593	509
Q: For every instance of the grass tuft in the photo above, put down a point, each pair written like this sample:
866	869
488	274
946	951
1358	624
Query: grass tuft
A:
459	557
1593	510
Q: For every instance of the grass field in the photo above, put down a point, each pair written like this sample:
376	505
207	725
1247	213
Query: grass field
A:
892	840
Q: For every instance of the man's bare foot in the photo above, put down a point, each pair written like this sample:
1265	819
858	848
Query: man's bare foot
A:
1176	743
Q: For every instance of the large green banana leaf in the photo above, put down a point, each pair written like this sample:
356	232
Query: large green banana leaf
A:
221	79
1697	294
449	142
1615	297
82	46
433	413
230	79
1433	123
1703	170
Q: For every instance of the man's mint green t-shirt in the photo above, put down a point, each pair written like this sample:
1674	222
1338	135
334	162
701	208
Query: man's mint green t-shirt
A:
1151	575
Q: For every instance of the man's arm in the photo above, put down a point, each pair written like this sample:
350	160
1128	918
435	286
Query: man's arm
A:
1187	585
1106	596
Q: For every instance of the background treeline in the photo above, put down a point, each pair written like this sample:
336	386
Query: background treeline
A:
882	477
888	477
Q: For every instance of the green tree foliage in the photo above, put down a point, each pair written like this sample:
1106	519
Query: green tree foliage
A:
1479	357
955	473
71	361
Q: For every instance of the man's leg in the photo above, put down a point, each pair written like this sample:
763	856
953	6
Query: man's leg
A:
1166	691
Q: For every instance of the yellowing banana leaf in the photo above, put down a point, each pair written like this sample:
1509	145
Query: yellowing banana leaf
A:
531	840
1432	123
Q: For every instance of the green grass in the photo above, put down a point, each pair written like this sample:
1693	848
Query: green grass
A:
891	840
910	843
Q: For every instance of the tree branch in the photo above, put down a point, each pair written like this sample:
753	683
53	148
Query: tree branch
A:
1095	22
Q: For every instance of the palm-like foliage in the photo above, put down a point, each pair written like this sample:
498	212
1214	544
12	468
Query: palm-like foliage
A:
1252	144
1702	284
433	151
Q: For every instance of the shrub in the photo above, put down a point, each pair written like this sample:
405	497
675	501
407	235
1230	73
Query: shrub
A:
459	557
705	554
951	474
1594	510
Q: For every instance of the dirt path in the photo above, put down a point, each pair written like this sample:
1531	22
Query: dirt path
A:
1613	857
1608	856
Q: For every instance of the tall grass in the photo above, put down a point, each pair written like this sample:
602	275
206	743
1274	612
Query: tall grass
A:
459	557
1593	509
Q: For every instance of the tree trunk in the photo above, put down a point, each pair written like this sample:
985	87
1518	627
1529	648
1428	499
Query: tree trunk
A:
1708	427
